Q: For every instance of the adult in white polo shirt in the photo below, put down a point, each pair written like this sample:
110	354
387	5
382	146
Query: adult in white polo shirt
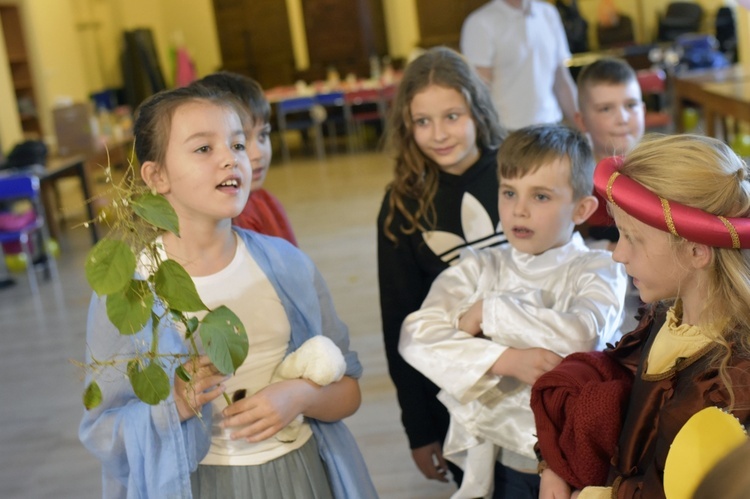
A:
519	48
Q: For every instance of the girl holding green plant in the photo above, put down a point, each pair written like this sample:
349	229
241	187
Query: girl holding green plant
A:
164	429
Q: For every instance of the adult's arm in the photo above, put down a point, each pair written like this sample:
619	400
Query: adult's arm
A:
564	87
456	361
566	92
477	46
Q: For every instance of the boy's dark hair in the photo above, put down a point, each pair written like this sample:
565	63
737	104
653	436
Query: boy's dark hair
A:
608	71
247	90
153	118
527	149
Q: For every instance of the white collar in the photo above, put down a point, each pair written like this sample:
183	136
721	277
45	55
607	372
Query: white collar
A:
525	6
554	258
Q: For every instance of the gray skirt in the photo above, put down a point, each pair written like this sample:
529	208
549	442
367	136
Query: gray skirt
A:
298	474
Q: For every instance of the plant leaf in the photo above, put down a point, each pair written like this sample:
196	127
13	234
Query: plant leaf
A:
224	339
174	285
92	396
192	324
130	309
109	266
157	211
151	384
182	373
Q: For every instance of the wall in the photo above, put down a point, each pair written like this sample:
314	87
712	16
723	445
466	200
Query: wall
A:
297	31
743	33
402	25
197	25
10	124
56	58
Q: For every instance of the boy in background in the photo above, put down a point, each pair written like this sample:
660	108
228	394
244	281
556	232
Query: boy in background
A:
611	111
543	296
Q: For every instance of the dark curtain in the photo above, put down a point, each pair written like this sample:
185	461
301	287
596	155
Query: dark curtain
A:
141	73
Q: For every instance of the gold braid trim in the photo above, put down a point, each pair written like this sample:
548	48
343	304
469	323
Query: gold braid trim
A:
610	183
668	216
732	232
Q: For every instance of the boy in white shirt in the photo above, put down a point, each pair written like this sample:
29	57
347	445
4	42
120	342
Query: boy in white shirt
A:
542	297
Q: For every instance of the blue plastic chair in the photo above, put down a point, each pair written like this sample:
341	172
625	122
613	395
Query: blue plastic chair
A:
333	103
303	108
16	187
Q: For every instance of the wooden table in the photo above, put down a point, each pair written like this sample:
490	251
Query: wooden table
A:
721	93
55	169
87	168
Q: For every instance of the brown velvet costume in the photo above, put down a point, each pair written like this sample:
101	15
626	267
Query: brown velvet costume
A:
660	405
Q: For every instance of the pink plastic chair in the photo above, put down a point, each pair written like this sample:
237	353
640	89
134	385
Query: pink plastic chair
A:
20	230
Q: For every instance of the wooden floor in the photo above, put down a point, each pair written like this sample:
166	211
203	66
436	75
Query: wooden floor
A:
333	207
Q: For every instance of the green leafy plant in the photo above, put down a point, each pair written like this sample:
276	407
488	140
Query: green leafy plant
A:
136	216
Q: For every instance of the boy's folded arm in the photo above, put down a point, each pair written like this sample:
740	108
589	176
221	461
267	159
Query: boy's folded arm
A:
456	361
594	310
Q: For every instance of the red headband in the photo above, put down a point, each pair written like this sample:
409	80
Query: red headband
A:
690	223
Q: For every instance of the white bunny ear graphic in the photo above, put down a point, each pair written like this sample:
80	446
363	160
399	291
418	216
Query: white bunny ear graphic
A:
708	435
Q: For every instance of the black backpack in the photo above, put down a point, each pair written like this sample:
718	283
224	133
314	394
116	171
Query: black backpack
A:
576	27
27	153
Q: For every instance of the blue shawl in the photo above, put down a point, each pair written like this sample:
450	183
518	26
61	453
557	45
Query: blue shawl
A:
146	451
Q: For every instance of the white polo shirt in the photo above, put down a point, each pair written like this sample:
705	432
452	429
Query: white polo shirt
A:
524	47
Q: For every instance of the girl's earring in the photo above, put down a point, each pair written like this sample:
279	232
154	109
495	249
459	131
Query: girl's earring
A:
153	190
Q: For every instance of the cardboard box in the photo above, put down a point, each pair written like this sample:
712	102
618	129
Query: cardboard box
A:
73	129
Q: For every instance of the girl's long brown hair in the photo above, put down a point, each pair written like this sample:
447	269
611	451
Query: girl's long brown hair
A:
415	176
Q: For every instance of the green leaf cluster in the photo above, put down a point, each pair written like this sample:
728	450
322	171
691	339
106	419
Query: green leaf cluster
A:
110	269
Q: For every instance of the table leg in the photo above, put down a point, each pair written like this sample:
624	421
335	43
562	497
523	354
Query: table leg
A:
710	118
679	125
81	170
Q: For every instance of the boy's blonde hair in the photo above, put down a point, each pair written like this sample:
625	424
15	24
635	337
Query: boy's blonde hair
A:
704	173
527	149
604	71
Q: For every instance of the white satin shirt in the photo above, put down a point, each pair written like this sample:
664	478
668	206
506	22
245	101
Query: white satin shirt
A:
566	300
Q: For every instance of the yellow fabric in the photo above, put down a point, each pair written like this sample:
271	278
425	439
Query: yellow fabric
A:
675	340
596	493
708	435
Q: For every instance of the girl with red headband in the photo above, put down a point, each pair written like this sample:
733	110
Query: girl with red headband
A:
681	204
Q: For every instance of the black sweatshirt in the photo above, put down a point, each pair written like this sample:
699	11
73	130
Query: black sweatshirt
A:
406	270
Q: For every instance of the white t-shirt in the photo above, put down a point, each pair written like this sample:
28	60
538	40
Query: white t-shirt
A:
243	288
524	47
